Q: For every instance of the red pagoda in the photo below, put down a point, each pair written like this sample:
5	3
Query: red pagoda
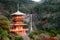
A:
17	24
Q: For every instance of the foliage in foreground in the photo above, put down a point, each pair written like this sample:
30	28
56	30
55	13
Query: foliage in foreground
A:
34	34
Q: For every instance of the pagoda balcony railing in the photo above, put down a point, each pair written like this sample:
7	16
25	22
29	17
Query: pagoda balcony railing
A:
17	24
17	20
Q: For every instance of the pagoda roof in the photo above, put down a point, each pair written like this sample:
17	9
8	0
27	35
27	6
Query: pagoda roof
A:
18	13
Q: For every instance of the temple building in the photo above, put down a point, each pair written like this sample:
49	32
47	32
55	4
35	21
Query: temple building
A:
17	24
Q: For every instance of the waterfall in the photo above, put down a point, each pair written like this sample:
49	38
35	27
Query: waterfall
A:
31	26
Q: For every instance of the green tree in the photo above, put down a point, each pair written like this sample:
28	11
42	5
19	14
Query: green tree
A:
4	23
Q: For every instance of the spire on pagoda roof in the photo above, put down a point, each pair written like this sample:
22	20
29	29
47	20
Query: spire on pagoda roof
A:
18	12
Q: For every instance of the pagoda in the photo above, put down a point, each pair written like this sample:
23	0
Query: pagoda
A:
17	24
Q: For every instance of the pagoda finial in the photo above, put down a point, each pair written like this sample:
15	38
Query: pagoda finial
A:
18	7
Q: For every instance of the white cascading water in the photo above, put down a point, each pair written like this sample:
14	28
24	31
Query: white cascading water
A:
31	28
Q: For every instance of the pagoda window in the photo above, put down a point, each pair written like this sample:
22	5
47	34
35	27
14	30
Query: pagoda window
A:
13	27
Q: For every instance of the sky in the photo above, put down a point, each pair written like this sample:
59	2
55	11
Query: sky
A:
36	0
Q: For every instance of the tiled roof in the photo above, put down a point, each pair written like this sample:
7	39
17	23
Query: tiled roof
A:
18	13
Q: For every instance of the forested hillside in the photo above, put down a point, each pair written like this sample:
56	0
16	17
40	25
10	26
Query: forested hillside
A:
45	18
47	14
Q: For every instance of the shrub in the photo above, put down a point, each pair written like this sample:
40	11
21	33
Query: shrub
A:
18	38
52	33
31	35
37	39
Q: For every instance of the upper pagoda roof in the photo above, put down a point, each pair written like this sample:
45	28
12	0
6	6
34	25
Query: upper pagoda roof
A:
18	13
